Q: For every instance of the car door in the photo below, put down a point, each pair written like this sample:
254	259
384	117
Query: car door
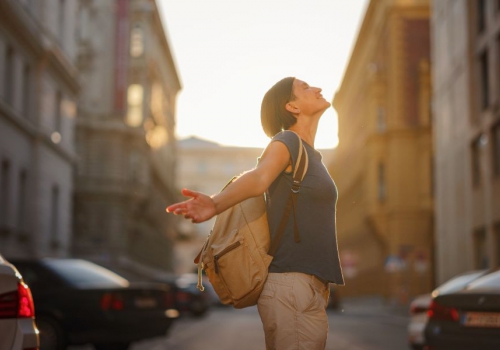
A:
8	324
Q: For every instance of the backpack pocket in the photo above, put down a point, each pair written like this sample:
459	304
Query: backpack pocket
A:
237	270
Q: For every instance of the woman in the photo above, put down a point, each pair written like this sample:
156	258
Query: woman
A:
292	305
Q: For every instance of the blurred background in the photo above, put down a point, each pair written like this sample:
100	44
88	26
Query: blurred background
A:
109	107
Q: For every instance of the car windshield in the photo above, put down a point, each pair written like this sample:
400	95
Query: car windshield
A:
84	274
458	283
490	281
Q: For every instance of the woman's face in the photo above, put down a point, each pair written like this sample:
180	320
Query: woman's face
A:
308	99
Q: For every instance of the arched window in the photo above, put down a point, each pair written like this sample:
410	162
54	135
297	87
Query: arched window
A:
135	99
136	41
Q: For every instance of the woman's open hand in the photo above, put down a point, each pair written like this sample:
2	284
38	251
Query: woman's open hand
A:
198	208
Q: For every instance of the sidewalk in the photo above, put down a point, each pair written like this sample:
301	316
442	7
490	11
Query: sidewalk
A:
373	306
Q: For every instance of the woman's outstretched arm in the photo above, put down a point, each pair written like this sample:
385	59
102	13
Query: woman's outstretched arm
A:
201	207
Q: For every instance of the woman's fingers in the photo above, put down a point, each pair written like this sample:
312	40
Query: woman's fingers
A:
177	208
188	193
200	207
174	208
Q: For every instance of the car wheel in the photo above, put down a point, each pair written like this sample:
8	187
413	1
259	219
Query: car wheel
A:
51	334
114	346
199	313
198	308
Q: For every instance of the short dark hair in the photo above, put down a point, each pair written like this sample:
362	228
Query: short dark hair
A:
273	114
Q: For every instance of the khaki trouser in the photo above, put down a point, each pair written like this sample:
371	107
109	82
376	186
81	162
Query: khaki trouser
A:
292	308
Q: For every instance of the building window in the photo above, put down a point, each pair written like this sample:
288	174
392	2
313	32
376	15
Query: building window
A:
202	167
481	15
476	162
8	86
480	249
58	118
498	64
26	91
21	202
62	21
54	217
134	163
135	98
4	195
136	41
58	114
382	191
157	102
432	175
495	144
381	120
484	80
497	243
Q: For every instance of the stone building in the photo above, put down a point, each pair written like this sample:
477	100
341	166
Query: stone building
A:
466	110
125	138
383	164
38	94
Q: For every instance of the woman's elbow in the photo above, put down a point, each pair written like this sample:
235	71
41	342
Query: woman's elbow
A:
259	190
258	184
261	185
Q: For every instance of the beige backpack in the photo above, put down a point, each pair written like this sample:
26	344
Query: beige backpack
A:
238	251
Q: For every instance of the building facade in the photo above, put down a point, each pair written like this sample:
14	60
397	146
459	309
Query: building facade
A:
125	137
383	164
466	109
38	94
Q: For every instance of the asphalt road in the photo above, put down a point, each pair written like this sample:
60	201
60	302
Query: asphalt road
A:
357	326
229	329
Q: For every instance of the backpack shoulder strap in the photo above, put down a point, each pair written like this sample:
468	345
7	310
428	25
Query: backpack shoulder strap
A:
299	172
301	166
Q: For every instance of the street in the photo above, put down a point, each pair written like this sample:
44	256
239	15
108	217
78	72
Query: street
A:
360	326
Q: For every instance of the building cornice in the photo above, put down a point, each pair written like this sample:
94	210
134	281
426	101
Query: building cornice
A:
166	44
149	8
66	71
108	125
29	129
33	36
22	25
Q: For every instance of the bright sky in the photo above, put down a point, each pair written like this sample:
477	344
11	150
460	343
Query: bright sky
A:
230	52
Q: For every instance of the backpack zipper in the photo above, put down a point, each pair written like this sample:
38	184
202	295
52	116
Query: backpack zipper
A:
221	254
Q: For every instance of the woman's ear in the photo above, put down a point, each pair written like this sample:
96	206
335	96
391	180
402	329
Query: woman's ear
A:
292	109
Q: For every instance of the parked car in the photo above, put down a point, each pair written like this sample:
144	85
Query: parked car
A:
420	306
189	298
466	319
81	302
17	311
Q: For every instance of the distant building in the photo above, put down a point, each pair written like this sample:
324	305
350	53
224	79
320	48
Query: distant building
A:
38	93
383	164
206	166
125	175
466	109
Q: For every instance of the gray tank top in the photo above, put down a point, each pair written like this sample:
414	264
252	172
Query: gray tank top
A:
317	252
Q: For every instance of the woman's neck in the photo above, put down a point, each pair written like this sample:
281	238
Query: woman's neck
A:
306	130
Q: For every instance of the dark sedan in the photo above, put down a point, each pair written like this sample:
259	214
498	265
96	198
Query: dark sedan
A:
189	299
468	319
79	302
